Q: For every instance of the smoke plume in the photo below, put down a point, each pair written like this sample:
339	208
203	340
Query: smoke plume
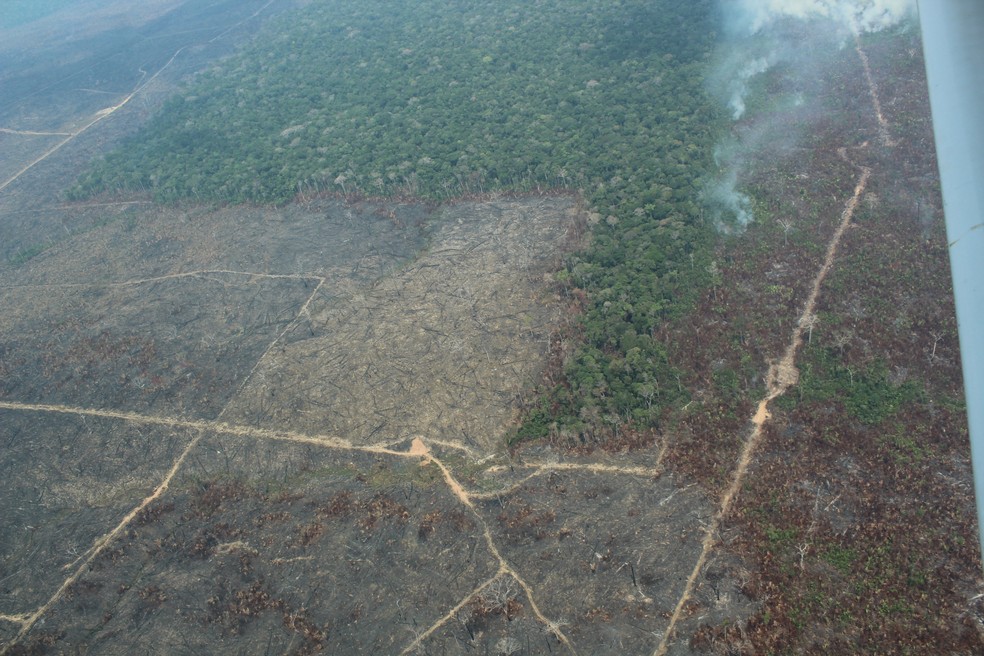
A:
739	84
729	209
791	38
851	16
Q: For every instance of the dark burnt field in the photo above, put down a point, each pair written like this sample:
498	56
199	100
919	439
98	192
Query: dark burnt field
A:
287	428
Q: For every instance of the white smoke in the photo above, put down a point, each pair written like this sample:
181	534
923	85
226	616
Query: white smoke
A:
854	16
786	35
748	18
739	84
729	209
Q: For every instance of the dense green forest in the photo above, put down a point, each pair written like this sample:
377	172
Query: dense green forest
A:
442	99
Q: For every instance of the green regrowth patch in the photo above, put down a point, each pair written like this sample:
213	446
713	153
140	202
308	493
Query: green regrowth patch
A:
869	395
841	558
27	254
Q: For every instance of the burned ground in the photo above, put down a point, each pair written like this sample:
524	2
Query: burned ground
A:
300	444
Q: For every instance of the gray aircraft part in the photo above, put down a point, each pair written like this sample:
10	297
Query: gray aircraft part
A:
953	42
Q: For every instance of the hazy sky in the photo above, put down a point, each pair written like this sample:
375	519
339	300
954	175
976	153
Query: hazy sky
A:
28	20
854	15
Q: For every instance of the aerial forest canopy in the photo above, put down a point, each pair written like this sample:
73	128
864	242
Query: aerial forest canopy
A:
437	99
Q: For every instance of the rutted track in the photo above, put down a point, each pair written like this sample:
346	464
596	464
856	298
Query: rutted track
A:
783	373
781	376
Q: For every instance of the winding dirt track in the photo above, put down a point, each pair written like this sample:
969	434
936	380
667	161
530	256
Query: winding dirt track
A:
883	134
